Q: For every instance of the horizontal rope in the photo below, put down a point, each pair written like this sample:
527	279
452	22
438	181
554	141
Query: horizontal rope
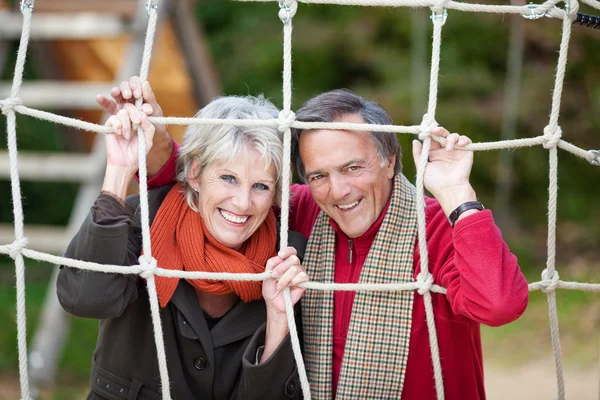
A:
414	129
547	7
368	287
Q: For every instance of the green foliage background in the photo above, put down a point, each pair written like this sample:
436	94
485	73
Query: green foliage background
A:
368	50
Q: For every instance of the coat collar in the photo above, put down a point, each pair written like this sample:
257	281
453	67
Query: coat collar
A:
240	322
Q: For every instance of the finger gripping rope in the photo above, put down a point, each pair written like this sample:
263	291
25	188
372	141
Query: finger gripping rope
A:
554	281
426	282
148	265
9	104
15	248
286	119
552	136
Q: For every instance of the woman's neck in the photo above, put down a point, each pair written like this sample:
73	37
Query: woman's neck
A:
216	305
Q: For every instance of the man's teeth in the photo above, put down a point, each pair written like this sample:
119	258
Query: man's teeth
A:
348	206
233	218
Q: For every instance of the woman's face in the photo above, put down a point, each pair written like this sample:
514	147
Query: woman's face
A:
235	197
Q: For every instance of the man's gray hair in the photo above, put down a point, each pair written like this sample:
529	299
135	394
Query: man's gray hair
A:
209	143
330	107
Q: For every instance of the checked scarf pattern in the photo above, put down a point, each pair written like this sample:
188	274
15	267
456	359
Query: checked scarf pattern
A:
378	339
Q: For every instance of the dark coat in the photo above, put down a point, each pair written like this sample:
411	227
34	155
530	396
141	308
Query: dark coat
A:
203	364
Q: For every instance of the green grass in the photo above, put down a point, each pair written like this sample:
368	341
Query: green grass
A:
75	365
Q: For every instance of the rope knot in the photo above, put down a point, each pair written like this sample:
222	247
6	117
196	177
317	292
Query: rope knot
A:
9	104
15	248
427	125
596	157
287	10
285	120
149	266
439	6
554	280
552	136
426	283
572	7
439	11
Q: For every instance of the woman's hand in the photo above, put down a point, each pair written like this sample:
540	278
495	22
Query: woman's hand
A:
128	93
122	149
286	272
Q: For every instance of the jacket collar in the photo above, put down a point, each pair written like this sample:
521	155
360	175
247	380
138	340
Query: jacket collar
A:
240	322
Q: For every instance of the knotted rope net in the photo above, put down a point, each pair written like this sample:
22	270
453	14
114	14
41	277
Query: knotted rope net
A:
551	139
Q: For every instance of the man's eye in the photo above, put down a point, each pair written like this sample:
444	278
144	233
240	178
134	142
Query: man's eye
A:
316	177
228	178
353	168
261	186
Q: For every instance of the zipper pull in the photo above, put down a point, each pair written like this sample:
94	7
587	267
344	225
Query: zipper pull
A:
350	243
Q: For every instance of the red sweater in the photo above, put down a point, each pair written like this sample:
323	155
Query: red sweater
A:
484	285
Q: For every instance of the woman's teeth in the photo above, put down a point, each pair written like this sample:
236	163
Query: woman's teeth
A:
233	218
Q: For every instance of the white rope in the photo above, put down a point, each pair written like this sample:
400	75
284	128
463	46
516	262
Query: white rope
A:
287	11
147	262
20	240
425	278
424	284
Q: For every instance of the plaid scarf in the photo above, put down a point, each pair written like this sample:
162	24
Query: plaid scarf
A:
378	339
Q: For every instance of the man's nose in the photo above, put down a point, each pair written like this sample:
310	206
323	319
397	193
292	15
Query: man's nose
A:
339	187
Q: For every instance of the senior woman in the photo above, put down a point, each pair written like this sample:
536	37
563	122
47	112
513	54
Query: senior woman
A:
223	339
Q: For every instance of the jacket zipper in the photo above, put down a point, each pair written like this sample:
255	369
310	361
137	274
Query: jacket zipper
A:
350	244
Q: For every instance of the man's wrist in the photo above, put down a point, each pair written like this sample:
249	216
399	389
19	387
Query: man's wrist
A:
450	199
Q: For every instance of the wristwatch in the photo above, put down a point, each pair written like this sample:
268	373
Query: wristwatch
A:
469	205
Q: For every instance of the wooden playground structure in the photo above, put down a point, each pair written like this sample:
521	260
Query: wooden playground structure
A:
81	49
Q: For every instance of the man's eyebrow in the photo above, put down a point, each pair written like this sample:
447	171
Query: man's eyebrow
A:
345	165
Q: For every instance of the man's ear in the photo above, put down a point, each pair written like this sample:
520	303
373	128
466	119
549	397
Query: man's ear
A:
391	166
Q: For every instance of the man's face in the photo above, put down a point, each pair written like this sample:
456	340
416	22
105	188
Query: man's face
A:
345	175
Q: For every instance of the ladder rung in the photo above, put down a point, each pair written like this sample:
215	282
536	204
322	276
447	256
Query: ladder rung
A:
63	26
54	167
57	94
44	238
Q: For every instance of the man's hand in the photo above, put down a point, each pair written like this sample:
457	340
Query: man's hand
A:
128	93
447	172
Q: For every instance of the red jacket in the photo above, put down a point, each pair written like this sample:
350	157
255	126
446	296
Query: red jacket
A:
483	280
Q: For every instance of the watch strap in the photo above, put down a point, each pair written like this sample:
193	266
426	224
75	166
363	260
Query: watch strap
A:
469	205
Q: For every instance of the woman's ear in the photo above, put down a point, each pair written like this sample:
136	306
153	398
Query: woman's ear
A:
194	173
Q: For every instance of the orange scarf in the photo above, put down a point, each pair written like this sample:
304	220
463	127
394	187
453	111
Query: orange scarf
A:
180	241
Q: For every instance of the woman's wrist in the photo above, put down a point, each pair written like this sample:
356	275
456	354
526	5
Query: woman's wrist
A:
117	179
276	331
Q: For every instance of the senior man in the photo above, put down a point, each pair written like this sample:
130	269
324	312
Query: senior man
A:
359	213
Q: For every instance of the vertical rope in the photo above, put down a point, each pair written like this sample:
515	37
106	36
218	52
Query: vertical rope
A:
554	132
286	14
11	131
146	260
428	123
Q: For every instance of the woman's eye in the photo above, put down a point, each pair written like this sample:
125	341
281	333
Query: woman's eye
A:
261	186
228	178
